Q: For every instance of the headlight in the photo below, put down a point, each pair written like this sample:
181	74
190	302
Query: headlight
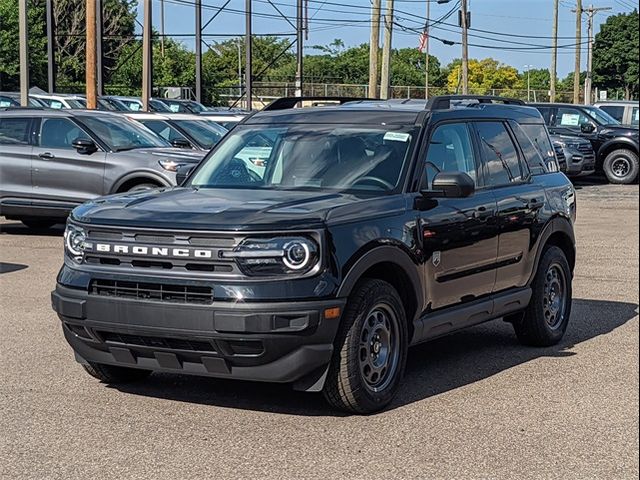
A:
275	256
170	165
75	241
574	146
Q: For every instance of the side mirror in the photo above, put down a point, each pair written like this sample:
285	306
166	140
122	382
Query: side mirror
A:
84	146
587	127
181	143
182	173
451	185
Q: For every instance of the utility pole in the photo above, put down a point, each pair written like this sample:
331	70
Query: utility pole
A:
426	47
99	55
92	99
162	28
528	82
374	48
464	23
147	56
248	53
51	45
588	83
198	50
299	48
576	72
554	54
24	52
385	80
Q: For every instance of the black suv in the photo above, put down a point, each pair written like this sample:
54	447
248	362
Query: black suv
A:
615	145
370	226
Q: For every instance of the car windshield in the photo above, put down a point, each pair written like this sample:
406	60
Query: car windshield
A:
207	134
196	107
600	116
346	158
120	133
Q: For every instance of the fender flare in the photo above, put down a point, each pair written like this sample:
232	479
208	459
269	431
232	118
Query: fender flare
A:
383	254
147	175
557	224
618	142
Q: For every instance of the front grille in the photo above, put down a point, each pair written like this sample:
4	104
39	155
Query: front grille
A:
157	342
152	291
585	147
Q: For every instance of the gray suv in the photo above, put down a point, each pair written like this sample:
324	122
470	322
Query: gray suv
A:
51	161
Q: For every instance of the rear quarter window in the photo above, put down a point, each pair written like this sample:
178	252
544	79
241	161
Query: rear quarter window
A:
536	146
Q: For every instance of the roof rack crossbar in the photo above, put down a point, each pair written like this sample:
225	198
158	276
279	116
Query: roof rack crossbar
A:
443	102
286	103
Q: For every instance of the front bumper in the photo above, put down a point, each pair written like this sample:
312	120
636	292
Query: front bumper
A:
273	342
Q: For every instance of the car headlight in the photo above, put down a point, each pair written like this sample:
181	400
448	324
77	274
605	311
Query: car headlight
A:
75	241
574	146
169	165
275	256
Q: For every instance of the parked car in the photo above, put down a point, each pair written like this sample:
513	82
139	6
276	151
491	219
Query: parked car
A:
373	227
578	156
228	119
177	105
135	104
625	112
53	160
615	145
61	101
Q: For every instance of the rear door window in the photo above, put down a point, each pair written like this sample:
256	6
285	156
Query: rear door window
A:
635	117
616	111
536	146
546	114
499	154
15	131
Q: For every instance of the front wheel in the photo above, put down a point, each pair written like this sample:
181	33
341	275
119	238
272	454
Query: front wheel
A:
545	320
371	350
621	166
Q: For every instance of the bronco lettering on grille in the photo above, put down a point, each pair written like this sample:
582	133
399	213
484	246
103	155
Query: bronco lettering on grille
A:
153	251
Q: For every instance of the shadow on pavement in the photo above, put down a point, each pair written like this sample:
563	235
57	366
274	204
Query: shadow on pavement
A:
21	229
433	368
11	267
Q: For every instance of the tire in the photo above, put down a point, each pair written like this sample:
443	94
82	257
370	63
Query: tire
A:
621	166
113	374
370	350
143	186
38	223
546	318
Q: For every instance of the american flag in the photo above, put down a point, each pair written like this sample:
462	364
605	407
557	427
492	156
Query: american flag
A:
424	37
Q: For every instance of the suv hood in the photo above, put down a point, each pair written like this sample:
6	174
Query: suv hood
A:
178	154
229	209
618	130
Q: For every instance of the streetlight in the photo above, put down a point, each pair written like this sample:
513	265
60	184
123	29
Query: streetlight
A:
528	82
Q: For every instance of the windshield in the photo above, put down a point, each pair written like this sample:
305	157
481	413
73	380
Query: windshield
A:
120	133
600	116
302	157
206	134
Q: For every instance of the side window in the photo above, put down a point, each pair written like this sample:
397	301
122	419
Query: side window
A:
14	131
535	144
59	133
163	130
499	153
546	114
616	111
571	117
635	116
450	150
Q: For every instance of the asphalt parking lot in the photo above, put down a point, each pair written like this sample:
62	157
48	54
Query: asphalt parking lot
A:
473	405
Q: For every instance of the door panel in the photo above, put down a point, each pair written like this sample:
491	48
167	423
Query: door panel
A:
15	160
61	175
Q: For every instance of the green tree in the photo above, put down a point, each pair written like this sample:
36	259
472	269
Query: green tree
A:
615	54
484	76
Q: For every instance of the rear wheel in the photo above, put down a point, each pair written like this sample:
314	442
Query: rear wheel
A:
114	374
142	186
370	351
621	166
38	223
545	320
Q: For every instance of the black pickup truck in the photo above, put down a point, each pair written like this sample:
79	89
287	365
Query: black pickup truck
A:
361	229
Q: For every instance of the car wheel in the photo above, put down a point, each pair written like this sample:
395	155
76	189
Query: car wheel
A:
142	186
545	320
370	350
38	223
114	374
621	166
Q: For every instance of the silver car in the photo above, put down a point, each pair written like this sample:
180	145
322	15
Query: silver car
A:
51	161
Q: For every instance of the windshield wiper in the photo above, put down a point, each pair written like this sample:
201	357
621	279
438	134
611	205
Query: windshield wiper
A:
127	148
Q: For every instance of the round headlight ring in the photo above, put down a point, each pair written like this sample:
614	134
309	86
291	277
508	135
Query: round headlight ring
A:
75	239
297	255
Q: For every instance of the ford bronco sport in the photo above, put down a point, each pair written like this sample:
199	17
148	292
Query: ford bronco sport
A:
371	226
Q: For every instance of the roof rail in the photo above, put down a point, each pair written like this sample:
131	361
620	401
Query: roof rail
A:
285	103
444	102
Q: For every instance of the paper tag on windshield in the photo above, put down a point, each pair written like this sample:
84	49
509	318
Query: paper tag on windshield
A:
397	137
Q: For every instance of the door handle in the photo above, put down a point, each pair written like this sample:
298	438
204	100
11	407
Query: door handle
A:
46	155
534	204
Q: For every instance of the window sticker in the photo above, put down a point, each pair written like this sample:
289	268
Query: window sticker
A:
570	119
397	137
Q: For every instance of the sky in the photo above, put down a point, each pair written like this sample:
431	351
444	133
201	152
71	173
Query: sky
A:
513	30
